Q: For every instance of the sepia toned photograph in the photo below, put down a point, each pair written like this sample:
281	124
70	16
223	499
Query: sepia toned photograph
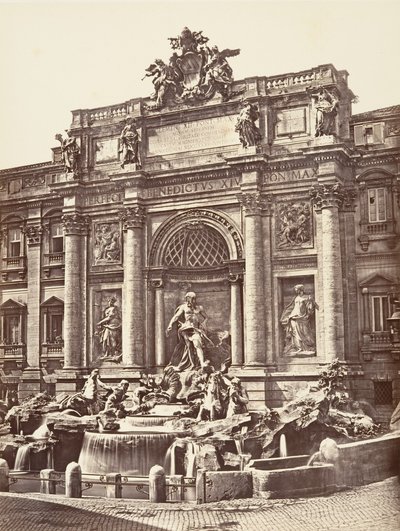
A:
199	265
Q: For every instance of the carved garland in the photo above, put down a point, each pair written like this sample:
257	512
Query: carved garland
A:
33	234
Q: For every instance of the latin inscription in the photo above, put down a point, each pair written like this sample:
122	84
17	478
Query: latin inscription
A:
189	188
302	174
191	136
103	199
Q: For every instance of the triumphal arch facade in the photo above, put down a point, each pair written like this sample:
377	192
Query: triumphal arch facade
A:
265	197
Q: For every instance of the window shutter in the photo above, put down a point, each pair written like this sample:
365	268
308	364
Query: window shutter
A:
377	131
359	138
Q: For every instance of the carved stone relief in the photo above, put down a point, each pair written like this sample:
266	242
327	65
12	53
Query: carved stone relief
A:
107	243
293	225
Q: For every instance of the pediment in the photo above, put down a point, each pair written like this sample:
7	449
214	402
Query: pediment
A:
12	304
52	301
379	279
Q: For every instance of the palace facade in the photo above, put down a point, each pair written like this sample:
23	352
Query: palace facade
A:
291	244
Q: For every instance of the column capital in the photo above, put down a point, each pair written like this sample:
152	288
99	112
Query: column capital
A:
327	195
132	217
235	278
252	203
349	199
33	234
75	223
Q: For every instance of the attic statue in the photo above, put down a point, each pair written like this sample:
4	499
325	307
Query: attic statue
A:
249	133
326	105
129	144
70	152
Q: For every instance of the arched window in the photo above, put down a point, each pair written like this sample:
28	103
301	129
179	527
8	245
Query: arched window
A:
196	246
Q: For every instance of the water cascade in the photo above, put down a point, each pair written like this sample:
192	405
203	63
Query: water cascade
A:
131	453
22	459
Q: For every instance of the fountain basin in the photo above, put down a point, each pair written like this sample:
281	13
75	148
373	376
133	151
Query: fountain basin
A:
294	482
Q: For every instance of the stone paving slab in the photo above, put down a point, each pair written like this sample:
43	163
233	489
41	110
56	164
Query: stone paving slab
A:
369	508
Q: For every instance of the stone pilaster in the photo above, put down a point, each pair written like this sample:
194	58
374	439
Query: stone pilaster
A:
235	281
252	204
268	294
133	310
327	200
350	299
30	380
159	322
75	243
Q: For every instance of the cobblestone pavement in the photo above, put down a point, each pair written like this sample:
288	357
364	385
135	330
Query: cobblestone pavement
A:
373	507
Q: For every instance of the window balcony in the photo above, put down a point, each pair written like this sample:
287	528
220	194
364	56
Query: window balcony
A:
13	353
54	259
52	352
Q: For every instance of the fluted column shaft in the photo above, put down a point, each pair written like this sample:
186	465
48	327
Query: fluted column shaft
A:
254	280
133	294
236	320
327	199
159	325
75	231
33	235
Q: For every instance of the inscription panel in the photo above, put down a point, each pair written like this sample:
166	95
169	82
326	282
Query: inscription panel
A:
191	136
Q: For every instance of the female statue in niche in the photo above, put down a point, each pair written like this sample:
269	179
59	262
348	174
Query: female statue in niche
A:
249	133
296	319
110	330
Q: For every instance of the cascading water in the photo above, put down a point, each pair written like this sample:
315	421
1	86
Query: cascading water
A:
22	459
282	446
131	453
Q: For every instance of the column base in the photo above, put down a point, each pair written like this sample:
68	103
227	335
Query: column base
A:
30	383
70	380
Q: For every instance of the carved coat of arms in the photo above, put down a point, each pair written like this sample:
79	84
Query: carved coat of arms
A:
194	71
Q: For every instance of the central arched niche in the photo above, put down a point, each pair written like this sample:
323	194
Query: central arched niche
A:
196	251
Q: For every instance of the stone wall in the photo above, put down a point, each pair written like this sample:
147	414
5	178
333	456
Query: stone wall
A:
368	461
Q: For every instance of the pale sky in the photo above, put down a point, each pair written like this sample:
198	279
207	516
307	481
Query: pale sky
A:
60	56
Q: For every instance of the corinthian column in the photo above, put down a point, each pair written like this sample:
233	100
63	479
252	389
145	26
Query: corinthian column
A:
133	295
75	232
252	204
327	200
236	319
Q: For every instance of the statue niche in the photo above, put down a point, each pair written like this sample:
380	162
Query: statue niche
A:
108	329
298	320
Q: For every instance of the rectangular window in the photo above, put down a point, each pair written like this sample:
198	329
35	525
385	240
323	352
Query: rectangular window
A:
14	242
376	205
57	238
11	332
291	121
380	313
56	328
369	134
383	393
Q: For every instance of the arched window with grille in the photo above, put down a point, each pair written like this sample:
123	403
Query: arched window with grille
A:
196	245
